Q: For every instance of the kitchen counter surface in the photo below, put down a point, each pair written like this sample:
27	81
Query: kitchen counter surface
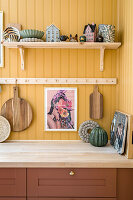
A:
62	154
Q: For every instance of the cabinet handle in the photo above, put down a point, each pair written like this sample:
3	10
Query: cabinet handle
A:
71	173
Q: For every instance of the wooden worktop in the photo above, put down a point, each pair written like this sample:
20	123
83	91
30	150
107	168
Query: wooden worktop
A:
73	154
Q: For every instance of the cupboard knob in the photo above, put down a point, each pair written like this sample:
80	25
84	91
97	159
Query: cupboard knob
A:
71	173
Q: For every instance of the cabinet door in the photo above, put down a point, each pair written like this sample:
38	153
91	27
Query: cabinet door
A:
12	182
125	184
63	183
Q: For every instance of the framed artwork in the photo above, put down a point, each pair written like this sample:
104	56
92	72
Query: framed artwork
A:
118	132
60	109
1	37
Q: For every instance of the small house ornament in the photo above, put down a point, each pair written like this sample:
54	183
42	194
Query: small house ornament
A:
90	31
52	34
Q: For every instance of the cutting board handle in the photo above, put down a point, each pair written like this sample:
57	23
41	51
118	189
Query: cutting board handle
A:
15	91
96	88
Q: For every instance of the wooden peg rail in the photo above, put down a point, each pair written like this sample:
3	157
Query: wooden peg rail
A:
47	81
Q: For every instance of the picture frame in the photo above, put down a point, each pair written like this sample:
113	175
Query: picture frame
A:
1	37
118	132
60	110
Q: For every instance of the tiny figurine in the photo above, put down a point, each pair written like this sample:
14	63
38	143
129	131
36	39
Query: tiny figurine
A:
82	38
99	38
52	34
90	31
73	39
64	37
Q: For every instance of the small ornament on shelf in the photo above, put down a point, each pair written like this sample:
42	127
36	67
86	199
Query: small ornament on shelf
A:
31	33
31	40
52	34
82	38
107	31
99	38
11	34
63	38
90	31
73	39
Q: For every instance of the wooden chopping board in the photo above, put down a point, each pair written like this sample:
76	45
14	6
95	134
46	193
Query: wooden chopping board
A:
18	112
96	104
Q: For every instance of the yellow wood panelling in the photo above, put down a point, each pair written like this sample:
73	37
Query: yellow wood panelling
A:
125	58
70	16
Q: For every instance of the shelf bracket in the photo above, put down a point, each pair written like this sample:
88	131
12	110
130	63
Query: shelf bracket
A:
102	49
21	50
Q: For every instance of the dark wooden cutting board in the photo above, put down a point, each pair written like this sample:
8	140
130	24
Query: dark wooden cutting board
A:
96	104
18	112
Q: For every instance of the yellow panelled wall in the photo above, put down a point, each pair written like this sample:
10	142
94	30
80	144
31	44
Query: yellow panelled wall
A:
70	16
125	57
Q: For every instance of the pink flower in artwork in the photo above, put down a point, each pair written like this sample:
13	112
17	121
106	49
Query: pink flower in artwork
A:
64	113
59	110
69	105
62	103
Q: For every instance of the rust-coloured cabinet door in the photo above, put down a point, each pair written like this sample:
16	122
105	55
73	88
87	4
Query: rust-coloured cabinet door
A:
71	183
12	182
125	184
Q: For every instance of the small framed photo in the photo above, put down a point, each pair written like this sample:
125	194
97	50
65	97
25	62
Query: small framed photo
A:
119	131
60	109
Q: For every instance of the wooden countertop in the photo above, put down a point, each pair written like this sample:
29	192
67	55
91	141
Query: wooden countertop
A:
63	154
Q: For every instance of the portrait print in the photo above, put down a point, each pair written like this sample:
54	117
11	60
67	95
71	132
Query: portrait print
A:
60	109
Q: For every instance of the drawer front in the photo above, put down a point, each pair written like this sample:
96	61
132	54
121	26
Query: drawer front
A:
14	198
62	183
71	198
12	182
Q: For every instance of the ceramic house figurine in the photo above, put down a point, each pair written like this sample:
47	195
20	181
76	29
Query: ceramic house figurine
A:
73	39
90	31
52	34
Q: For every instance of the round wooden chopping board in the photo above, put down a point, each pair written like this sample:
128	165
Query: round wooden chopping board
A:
18	112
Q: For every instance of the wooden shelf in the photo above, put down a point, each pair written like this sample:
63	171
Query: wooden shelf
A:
63	45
